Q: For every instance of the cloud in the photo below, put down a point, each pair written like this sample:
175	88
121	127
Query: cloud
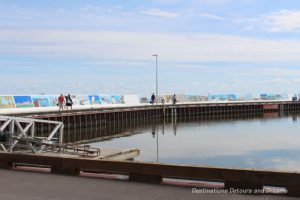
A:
156	12
267	71
121	45
283	21
211	16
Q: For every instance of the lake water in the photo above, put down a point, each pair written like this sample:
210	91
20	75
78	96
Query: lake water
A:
259	142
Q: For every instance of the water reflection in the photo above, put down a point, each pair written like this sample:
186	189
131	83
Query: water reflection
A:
247	141
174	124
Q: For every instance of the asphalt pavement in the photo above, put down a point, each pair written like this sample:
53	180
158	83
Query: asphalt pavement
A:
25	185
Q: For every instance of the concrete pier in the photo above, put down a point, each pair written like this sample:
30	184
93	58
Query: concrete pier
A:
99	117
112	120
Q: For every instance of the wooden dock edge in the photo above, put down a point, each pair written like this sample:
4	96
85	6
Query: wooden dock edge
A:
154	173
122	155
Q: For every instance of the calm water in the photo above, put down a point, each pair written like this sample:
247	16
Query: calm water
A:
258	142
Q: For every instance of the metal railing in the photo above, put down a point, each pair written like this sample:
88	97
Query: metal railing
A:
25	129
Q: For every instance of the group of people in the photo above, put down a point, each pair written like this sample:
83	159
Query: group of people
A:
152	101
65	101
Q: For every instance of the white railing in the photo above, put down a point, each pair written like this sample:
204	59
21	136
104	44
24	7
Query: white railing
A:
17	131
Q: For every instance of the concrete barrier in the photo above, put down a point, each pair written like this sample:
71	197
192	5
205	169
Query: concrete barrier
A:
151	172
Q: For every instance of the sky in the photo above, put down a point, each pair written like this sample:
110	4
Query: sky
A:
106	47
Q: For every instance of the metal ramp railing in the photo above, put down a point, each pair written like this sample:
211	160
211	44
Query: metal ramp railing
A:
22	133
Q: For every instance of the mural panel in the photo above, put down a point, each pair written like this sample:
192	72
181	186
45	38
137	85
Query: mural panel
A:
7	102
53	100
94	99
80	100
144	99
40	101
23	101
105	99
117	99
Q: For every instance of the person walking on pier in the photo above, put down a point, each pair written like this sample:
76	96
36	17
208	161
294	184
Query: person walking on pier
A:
69	101
152	99
61	100
174	100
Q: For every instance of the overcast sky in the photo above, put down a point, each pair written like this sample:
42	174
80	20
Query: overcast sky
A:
204	46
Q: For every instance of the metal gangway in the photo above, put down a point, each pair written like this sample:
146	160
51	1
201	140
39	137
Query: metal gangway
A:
21	133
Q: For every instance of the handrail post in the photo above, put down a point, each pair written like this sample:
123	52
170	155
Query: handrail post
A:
12	125
61	133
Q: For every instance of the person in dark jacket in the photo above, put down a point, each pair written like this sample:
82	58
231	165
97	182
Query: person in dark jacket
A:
152	99
69	101
174	100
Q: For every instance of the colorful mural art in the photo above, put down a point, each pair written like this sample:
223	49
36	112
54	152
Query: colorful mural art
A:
105	99
7	102
273	97
94	99
248	97
53	100
168	98
196	98
23	101
40	101
117	99
181	98
80	100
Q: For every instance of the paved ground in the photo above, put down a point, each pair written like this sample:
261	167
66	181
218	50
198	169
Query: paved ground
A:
21	185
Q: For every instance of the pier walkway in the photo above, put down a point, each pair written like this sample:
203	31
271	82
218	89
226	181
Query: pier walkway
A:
102	115
269	104
16	185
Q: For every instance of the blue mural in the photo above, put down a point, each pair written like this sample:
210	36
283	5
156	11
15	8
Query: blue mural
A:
23	101
271	96
105	99
248	97
94	99
117	99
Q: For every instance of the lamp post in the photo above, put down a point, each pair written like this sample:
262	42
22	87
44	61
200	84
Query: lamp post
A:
156	83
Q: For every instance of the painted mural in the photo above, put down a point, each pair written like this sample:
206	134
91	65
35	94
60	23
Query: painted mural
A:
181	98
80	100
168	98
23	101
196	98
105	99
117	99
7	102
272	96
94	99
53	100
144	99
40	101
248	97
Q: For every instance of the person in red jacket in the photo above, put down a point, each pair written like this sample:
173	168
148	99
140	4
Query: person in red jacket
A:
61	101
